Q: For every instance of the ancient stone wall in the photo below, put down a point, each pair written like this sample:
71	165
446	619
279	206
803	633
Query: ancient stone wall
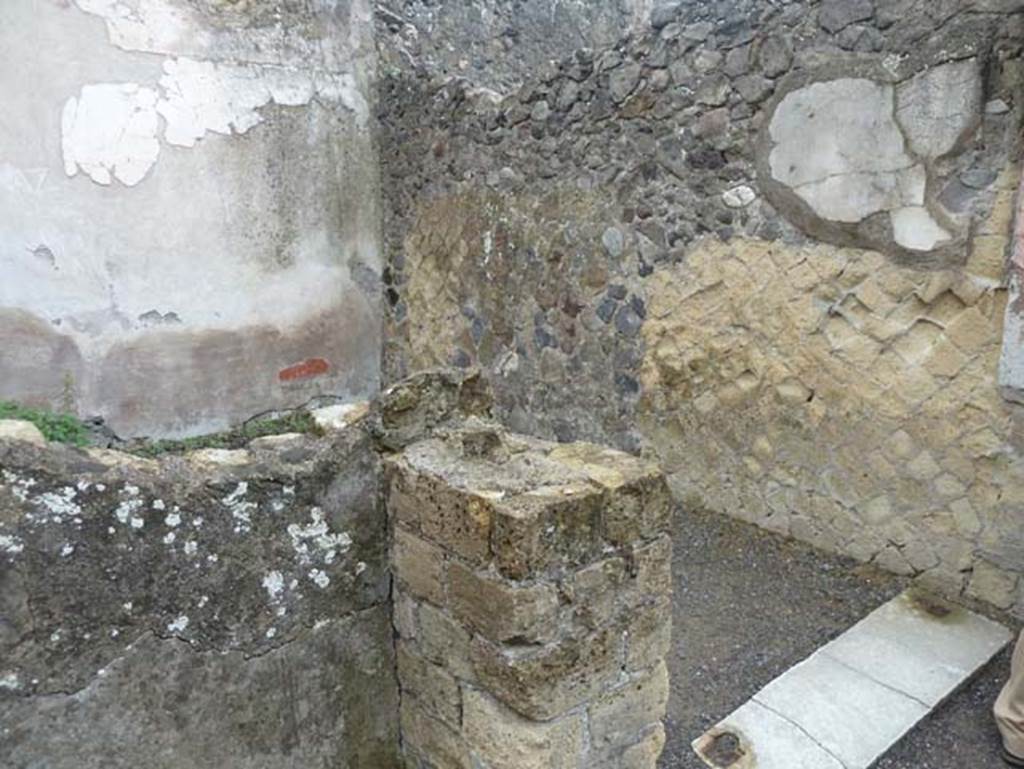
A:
190	231
532	588
214	609
763	242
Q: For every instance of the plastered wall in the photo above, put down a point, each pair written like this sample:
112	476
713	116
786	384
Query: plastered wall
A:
189	231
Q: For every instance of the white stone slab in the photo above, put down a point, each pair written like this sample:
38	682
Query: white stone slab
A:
855	718
854	698
920	654
755	725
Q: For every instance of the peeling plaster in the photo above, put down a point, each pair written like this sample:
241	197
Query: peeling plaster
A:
109	131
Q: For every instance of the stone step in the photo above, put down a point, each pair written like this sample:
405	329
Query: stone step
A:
853	699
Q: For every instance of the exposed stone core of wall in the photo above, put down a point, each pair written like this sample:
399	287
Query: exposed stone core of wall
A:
532	588
219	609
771	224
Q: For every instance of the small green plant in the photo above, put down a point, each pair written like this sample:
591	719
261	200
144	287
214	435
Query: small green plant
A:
237	437
62	428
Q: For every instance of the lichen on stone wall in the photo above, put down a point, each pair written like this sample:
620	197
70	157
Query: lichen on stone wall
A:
238	575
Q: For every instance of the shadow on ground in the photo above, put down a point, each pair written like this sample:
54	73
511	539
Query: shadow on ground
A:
749	604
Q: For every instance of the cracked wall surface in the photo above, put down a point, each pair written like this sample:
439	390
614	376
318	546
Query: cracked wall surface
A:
762	242
191	201
218	608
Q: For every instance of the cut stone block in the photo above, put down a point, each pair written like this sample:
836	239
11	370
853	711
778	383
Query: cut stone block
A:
503	611
431	685
503	739
854	698
542	683
419	565
618	716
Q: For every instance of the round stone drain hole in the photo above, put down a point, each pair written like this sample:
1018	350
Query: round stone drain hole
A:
724	750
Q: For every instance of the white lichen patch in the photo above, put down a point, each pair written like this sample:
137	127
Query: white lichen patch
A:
159	505
137	523
67	550
179	625
316	539
271	632
320	579
58	504
10	681
126	509
11	545
241	509
191	547
169	538
273	583
173	520
19	487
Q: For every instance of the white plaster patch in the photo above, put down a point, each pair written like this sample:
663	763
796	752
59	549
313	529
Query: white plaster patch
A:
915	228
109	131
204	96
939	106
838	147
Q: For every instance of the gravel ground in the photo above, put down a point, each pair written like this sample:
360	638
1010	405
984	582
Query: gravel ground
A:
749	605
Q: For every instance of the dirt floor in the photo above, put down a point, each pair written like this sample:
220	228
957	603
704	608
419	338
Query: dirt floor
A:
749	605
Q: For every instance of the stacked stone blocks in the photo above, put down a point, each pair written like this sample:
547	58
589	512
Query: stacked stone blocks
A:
532	602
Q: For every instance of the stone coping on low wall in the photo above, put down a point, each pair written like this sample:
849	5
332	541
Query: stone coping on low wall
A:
230	604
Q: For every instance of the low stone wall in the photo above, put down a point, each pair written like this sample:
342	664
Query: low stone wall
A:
214	609
532	588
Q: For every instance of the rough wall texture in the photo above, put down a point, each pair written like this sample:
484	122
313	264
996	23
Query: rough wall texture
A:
190	232
224	608
764	242
532	590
